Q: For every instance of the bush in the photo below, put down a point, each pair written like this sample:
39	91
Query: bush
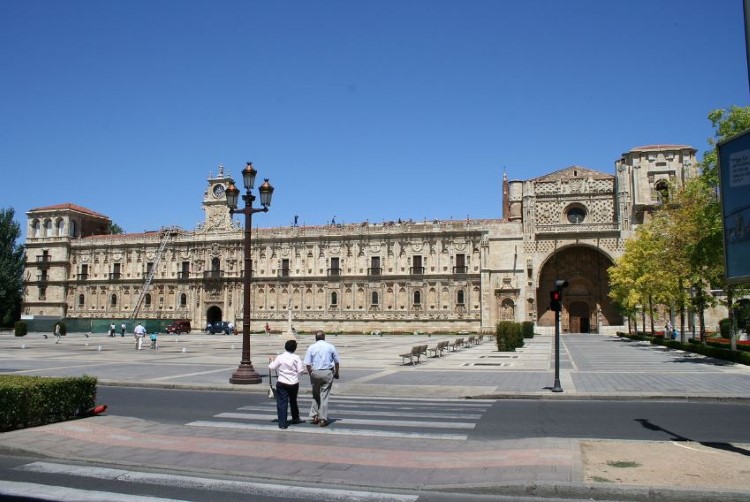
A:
21	328
725	328
509	336
30	401
527	327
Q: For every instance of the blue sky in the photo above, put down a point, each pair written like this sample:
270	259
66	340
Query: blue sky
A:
362	110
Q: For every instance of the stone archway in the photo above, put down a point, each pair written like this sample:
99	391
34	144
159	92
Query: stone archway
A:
213	314
586	302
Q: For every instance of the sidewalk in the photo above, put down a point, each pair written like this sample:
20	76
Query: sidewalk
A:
592	367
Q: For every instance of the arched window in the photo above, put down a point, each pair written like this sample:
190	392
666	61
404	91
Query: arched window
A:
37	228
47	228
183	300
72	228
417	298
374	298
147	299
334	298
113	300
81	300
61	228
460	297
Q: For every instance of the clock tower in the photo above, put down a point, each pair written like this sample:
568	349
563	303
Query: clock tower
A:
215	202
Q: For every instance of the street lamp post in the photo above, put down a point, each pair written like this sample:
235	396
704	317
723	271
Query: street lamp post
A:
245	373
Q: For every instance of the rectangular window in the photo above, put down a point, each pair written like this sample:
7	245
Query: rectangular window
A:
417	268
334	270
284	267
84	272
185	271
115	271
460	267
149	267
374	266
42	293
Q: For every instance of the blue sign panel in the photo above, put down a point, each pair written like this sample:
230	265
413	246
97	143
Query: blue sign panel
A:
734	182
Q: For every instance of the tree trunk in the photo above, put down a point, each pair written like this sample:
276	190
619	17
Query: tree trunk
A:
651	313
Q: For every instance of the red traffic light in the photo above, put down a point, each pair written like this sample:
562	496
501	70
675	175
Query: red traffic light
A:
555	300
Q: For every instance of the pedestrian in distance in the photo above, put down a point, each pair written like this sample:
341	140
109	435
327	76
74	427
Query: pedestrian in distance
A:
153	339
288	368
322	362
122	330
58	332
112	330
230	328
268	330
139	332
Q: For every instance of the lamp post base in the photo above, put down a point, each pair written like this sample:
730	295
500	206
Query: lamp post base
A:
245	374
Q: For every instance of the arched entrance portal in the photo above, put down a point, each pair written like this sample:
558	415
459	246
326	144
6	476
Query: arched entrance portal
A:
586	303
213	314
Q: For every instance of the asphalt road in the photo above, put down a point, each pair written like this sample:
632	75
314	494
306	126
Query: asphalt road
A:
503	419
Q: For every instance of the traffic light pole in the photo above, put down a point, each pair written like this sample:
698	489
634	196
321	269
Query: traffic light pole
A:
557	387
556	305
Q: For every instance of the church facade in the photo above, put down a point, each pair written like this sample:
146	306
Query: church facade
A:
404	276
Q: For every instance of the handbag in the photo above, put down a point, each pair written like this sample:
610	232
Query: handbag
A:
271	390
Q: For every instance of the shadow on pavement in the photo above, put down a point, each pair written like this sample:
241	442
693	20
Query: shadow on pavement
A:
678	437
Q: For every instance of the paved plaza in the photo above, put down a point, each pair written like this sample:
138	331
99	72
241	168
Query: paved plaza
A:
592	367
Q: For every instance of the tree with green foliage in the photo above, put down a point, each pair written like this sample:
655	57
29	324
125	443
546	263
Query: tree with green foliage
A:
11	268
115	229
677	257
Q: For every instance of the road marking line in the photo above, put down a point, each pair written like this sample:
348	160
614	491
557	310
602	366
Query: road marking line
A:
65	494
360	421
329	430
209	485
379	413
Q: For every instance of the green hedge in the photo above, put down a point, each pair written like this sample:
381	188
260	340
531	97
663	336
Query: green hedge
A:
527	327
509	336
27	401
739	356
21	329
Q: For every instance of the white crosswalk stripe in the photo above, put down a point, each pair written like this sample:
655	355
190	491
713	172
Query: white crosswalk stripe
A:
385	417
246	488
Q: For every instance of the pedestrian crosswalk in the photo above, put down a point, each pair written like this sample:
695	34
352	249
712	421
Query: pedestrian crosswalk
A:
366	416
53	480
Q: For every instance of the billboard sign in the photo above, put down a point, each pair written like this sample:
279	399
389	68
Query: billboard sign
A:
734	184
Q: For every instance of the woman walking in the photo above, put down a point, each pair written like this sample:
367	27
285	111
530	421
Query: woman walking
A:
288	367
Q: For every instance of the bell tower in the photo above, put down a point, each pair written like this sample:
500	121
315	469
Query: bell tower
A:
215	202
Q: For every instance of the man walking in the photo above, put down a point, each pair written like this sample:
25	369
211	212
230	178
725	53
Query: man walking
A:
322	362
58	332
139	333
122	330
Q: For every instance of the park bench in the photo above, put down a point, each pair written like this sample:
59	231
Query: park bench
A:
457	344
415	354
472	340
438	349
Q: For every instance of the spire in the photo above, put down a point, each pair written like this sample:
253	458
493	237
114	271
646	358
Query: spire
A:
506	195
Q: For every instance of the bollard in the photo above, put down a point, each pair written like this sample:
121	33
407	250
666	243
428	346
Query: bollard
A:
99	349
184	350
232	346
23	345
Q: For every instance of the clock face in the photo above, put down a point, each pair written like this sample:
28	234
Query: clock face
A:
218	191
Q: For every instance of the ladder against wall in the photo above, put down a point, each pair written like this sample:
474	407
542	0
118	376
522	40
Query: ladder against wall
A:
167	233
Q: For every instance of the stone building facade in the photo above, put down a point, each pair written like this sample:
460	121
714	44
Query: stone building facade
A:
430	276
